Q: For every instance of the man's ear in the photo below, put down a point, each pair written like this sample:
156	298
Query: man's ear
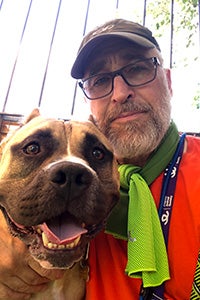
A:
35	113
169	81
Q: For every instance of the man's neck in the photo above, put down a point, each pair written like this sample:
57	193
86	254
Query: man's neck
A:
136	161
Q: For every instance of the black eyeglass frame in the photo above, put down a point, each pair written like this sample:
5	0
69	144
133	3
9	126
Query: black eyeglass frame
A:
119	72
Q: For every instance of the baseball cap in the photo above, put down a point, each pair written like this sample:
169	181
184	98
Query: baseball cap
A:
125	29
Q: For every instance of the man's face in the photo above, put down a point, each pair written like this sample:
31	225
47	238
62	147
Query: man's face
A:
134	119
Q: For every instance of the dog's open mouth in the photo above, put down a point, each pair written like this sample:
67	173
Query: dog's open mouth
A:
58	242
62	232
58	233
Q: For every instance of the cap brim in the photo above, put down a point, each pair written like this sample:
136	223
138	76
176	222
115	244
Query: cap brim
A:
78	67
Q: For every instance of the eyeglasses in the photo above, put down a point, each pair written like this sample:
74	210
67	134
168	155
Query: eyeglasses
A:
136	74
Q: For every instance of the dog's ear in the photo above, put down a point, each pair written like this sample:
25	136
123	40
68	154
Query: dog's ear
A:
35	113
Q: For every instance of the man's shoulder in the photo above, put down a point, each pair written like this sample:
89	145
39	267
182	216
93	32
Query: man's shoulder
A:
192	155
193	140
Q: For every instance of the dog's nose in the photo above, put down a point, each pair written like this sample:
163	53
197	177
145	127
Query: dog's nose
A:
69	175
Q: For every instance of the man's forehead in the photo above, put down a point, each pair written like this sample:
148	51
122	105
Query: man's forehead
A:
101	62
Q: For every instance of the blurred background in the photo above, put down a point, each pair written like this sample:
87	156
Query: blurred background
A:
39	40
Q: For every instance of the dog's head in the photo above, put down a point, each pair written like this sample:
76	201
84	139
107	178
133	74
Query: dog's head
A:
58	184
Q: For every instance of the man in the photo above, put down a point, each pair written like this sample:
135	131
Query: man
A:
120	70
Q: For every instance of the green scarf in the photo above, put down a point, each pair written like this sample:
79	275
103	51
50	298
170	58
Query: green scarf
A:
135	218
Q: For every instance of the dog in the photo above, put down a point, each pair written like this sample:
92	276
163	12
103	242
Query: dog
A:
58	184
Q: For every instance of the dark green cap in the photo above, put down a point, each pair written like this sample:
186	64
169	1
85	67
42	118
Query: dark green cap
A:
129	30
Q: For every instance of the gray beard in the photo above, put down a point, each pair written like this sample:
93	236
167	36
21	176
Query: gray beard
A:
135	140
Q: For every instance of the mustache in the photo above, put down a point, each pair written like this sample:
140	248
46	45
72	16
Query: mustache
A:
127	107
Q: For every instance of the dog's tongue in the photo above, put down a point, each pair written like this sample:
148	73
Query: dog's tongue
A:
63	229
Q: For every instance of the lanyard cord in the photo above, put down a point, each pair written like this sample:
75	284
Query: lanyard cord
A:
168	188
165	210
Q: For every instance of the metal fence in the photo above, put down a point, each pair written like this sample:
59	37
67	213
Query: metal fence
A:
39	40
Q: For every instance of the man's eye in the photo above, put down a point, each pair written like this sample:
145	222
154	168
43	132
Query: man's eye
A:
32	149
137	69
99	81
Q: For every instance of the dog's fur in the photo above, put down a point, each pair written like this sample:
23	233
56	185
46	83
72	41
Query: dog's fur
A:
59	178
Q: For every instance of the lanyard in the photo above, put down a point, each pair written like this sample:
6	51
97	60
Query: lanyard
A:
165	210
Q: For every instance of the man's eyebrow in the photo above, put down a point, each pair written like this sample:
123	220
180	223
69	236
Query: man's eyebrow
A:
97	67
131	56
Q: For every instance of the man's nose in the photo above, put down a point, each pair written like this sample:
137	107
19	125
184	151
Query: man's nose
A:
121	90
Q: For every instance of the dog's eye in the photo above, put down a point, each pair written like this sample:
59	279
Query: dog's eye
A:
98	153
32	149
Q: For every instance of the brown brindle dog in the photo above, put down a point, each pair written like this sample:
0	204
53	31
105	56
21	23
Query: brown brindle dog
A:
58	184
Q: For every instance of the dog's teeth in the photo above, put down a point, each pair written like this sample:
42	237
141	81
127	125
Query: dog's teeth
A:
77	240
51	245
45	239
61	246
74	243
39	230
69	246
